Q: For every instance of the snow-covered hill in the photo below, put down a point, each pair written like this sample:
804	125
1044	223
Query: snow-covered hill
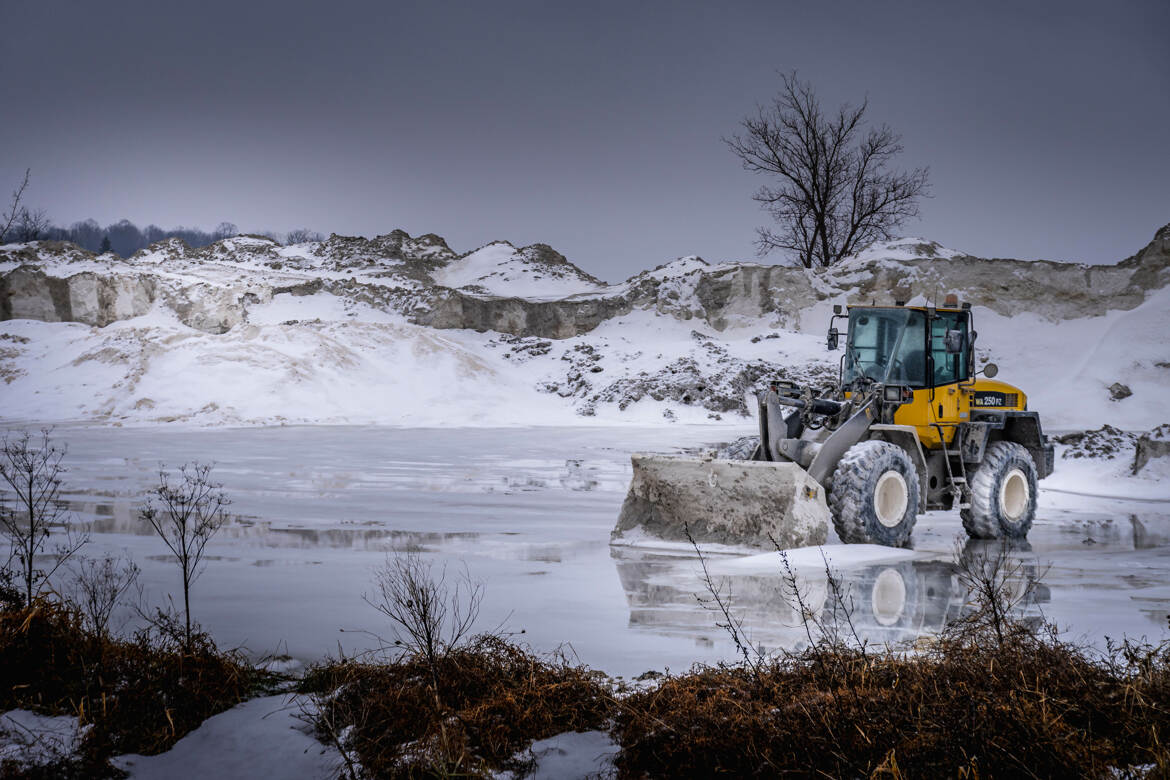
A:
404	331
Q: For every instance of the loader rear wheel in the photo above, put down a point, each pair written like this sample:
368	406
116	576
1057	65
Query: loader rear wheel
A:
874	497
1002	494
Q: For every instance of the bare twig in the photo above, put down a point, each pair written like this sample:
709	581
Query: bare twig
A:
99	584
32	471
431	615
186	513
9	217
997	583
719	599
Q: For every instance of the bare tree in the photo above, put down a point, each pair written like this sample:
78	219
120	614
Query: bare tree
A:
99	585
832	192
32	225
186	512
32	470
432	616
300	236
225	230
998	582
87	234
9	217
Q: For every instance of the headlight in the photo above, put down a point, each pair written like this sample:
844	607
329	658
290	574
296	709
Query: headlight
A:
892	393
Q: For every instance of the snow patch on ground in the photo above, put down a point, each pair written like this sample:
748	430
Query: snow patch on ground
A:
572	756
261	738
28	739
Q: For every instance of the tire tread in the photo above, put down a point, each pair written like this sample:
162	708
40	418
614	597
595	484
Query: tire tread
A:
848	499
981	519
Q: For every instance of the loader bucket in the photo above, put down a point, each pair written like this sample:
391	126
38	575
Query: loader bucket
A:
734	502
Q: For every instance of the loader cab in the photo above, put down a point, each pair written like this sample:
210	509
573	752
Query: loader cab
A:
909	346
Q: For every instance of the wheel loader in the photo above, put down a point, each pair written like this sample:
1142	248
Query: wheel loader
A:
910	426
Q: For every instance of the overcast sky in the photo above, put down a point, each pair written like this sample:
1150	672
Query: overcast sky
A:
592	126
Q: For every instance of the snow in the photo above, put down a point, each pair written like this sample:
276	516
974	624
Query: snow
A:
321	358
676	268
351	357
573	756
901	249
271	737
372	371
804	559
1066	368
28	739
1111	477
261	738
500	269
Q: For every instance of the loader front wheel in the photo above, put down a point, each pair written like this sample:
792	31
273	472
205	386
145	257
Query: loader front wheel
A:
874	497
1002	495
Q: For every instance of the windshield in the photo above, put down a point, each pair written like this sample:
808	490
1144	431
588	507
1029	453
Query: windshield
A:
887	345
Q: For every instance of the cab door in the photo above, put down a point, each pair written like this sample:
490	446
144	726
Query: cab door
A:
949	405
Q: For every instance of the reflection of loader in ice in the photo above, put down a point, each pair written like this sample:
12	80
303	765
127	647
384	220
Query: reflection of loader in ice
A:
887	603
910	427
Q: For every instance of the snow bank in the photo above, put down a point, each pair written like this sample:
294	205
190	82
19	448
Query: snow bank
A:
501	269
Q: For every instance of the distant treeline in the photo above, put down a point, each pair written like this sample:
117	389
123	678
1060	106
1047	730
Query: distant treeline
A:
124	238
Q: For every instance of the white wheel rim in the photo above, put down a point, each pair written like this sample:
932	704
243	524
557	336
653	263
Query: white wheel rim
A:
1014	494
889	597
890	497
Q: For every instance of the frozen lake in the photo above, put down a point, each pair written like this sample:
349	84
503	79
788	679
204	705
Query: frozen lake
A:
529	511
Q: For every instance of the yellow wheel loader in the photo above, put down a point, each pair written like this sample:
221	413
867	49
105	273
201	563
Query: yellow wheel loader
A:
911	426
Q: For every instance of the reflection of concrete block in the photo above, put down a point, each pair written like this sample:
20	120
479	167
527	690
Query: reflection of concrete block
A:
723	501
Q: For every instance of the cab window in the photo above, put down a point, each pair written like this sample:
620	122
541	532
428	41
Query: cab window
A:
948	368
887	345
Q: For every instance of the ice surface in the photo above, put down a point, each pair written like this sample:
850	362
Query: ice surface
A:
529	510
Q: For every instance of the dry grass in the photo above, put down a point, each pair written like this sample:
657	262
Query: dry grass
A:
496	699
966	707
139	695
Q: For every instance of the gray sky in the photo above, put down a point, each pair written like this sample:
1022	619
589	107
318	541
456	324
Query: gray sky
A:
591	126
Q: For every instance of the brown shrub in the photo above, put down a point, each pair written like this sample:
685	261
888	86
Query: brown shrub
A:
141	696
966	707
497	698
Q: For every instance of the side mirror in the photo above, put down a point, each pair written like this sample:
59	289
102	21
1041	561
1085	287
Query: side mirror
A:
953	340
834	338
990	370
